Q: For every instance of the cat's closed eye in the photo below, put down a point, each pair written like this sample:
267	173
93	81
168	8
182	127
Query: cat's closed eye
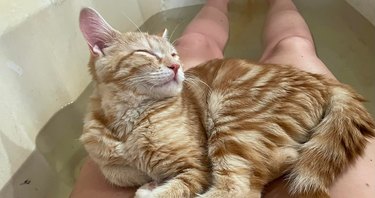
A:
147	52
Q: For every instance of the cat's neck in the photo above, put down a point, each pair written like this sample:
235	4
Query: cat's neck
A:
122	107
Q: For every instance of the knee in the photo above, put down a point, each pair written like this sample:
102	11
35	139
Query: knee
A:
195	40
295	44
198	45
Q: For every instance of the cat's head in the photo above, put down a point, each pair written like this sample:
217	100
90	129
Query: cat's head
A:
148	64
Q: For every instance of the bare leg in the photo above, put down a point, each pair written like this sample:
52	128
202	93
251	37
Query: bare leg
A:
205	37
288	40
92	184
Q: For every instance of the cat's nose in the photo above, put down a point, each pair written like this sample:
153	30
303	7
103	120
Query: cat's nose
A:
174	67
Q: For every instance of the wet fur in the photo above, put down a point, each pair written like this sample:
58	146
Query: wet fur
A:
227	130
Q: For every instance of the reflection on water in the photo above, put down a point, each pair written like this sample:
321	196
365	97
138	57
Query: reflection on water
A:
344	40
58	140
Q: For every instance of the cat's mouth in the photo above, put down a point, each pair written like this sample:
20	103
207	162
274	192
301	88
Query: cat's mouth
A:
172	80
169	80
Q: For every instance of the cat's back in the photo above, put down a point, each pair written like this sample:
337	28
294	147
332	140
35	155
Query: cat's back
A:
232	72
240	91
267	120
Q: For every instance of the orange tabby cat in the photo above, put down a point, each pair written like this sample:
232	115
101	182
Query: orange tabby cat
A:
226	130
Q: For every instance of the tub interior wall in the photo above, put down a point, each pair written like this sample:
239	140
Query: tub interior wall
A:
43	68
42	64
365	7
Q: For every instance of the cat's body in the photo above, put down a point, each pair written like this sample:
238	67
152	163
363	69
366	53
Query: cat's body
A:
164	138
230	128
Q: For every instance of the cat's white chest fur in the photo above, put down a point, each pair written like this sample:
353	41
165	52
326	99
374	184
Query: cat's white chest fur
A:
124	107
131	115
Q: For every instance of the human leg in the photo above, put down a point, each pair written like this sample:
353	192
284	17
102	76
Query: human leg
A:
205	37
288	40
91	183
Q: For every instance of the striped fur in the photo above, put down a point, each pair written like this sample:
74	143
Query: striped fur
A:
268	120
227	130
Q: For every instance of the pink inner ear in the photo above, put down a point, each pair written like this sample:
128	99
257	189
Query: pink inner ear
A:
97	50
95	29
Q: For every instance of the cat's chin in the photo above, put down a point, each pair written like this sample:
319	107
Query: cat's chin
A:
168	89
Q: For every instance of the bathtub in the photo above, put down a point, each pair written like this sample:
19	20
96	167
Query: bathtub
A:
45	84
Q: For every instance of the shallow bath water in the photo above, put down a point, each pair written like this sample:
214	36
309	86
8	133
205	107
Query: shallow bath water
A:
344	39
342	36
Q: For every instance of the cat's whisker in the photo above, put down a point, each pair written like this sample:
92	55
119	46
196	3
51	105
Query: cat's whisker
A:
131	81
194	79
140	77
152	87
154	73
138	28
132	21
174	41
134	78
174	30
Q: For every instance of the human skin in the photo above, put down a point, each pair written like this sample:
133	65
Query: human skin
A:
287	40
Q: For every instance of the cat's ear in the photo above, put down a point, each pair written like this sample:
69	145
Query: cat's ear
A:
97	32
164	34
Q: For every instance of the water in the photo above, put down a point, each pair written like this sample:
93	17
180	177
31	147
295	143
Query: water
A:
345	42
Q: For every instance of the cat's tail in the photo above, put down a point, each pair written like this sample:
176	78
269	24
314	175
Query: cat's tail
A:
335	142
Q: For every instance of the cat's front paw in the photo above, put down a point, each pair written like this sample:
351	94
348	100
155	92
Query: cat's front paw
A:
219	193
213	194
145	191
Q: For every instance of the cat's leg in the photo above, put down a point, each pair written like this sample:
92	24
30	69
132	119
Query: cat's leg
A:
240	164
231	178
108	153
187	184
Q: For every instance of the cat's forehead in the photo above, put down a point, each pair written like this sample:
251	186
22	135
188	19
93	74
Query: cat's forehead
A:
138	40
